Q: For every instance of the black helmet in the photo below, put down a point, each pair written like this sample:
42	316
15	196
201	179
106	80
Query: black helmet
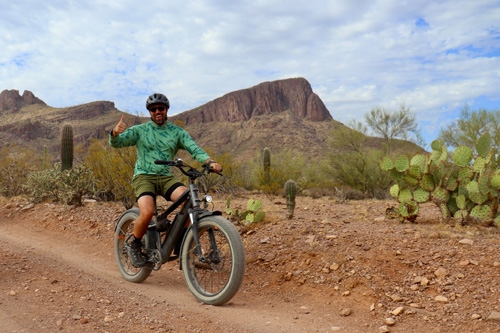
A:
157	99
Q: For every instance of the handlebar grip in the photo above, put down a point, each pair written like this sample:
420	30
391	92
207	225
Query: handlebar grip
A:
162	162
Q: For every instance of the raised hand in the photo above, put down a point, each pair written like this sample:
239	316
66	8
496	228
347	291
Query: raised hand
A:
120	127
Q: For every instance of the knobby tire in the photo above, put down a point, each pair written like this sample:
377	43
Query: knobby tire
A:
123	230
217	281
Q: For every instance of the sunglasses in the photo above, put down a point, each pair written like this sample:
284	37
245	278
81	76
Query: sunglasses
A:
157	108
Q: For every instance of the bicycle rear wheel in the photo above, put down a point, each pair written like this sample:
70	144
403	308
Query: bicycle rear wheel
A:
123	230
218	279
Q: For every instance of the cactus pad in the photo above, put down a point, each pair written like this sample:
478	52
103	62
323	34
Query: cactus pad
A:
437	145
444	210
420	195
410	180
495	179
465	173
482	212
462	156
483	145
415	171
427	183
460	200
440	195
408	210
396	175
452	184
479	165
405	195
394	190
401	163
387	163
420	161
472	187
484	184
496	221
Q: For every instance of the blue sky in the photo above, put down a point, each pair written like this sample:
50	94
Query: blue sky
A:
433	56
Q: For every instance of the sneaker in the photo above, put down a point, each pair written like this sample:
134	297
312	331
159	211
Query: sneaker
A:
135	254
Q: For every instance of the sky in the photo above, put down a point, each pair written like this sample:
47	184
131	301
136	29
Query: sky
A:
435	57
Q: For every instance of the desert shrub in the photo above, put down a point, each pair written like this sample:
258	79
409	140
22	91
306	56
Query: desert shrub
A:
284	165
228	182
15	164
113	170
355	165
68	186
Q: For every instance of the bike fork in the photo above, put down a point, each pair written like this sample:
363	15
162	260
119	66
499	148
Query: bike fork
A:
211	235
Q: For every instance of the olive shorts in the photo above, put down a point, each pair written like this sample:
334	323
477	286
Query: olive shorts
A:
155	185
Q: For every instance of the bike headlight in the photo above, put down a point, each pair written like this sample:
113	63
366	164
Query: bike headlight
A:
208	198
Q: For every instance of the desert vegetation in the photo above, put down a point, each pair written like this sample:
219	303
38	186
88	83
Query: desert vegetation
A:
351	169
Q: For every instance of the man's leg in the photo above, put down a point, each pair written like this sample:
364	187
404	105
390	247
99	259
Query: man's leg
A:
146	205
174	196
146	211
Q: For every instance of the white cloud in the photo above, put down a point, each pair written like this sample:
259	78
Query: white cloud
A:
431	56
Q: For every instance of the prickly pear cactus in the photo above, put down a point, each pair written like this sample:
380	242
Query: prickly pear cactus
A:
463	184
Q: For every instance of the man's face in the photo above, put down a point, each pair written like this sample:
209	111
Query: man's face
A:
158	113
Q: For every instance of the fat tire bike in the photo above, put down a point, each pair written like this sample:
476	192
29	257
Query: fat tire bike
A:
210	251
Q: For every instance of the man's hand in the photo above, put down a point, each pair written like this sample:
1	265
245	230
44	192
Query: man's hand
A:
120	127
214	165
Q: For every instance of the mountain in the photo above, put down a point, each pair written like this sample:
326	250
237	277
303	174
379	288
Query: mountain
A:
27	121
279	114
283	114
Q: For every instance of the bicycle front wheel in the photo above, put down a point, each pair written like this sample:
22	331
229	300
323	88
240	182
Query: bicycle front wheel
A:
217	279
123	230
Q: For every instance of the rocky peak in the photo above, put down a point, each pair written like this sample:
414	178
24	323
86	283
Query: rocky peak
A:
294	95
12	100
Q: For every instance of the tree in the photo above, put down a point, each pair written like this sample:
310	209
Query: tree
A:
471	125
400	124
353	163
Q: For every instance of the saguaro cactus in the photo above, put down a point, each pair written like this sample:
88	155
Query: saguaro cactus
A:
290	192
267	165
66	147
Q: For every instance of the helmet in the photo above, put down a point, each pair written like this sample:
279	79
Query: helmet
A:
157	99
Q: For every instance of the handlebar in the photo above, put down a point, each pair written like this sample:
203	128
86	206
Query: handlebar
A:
192	172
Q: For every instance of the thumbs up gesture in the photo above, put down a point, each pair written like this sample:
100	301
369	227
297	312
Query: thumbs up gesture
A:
120	127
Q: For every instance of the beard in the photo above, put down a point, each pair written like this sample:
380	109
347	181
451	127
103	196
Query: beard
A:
159	122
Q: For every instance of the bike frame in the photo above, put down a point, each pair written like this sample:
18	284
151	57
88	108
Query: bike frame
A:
192	210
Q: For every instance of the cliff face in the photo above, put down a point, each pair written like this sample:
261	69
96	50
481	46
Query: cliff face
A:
11	100
294	95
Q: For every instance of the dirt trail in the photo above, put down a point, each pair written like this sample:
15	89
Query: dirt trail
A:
334	267
51	256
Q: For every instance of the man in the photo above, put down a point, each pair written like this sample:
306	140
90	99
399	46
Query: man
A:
157	139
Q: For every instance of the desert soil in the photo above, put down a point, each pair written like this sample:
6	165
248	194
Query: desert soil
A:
333	267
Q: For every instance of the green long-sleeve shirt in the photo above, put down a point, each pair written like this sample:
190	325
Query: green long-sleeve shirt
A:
155	142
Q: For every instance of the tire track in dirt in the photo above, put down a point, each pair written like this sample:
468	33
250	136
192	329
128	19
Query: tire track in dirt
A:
243	314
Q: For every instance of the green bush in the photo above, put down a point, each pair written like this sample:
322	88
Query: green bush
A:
68	186
15	164
113	170
355	164
284	165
